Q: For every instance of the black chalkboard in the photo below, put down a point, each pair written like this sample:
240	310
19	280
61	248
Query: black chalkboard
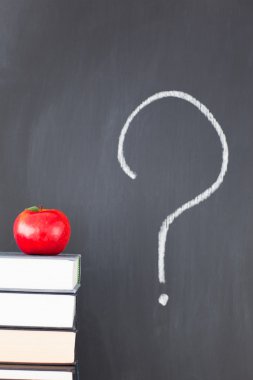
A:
71	72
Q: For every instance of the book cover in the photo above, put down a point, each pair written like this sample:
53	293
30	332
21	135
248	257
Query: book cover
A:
37	346
40	273
36	372
37	310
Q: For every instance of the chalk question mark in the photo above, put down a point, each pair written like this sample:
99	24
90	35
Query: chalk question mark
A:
162	236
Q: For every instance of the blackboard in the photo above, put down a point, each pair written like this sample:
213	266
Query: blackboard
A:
71	73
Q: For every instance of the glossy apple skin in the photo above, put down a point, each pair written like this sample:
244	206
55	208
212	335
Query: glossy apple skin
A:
42	232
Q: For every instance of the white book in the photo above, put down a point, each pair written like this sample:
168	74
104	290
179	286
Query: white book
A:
59	273
35	375
37	346
37	310
36	372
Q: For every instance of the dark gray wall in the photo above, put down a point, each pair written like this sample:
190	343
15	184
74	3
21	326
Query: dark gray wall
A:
70	74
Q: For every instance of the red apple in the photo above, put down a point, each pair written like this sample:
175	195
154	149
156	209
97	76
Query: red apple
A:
41	231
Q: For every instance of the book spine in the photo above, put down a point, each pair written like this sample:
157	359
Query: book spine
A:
79	271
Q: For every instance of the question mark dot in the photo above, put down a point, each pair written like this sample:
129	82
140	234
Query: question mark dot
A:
163	299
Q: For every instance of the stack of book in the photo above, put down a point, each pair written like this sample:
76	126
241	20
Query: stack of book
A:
37	316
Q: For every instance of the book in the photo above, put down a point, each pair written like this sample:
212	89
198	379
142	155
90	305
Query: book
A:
28	372
37	310
37	346
35	273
